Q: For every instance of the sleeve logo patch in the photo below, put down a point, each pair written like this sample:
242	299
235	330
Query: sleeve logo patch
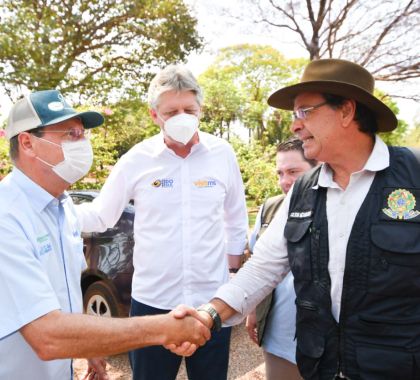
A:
401	204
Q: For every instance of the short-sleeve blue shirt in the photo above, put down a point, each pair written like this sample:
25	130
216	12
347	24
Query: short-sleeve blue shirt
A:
41	260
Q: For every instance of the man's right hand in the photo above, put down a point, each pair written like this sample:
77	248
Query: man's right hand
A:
251	326
190	327
202	320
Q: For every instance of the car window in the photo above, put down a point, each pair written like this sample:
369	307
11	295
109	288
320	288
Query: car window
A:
78	199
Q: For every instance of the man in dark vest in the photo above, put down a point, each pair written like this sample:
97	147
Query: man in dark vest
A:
349	231
272	325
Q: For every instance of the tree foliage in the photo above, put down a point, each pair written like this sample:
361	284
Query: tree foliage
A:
412	138
258	169
238	84
5	163
381	35
91	46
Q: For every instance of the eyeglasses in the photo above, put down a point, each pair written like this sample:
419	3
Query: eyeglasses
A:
302	113
73	134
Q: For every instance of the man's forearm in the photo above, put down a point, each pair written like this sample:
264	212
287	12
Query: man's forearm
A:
235	261
222	308
59	335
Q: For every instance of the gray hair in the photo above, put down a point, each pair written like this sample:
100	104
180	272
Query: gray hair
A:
173	77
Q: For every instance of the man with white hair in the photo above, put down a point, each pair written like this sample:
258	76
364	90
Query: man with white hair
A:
190	220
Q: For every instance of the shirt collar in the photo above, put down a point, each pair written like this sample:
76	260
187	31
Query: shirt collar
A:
39	197
378	160
160	145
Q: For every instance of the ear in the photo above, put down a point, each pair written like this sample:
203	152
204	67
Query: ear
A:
348	112
26	144
153	115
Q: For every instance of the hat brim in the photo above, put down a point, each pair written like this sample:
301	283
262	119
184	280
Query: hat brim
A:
90	119
284	99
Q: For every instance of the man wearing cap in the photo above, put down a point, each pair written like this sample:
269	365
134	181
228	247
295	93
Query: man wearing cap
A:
348	230
41	253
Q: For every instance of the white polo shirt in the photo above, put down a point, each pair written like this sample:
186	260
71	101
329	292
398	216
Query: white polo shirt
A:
189	213
269	263
41	260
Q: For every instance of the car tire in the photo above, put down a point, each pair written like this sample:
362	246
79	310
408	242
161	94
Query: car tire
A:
101	300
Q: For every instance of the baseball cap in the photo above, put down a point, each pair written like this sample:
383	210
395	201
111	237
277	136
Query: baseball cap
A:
44	108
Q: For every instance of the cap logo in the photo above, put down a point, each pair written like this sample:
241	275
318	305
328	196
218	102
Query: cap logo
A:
57	106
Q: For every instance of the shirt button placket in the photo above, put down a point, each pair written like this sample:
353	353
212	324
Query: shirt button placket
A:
186	230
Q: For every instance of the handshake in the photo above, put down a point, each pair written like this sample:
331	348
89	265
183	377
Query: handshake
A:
186	329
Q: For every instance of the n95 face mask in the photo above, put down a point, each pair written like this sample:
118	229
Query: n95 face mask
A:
78	158
181	127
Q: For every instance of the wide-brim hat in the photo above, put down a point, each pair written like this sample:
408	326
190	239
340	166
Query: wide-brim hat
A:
44	108
337	77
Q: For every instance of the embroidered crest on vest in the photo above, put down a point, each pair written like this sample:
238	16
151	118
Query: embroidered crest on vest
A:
401	205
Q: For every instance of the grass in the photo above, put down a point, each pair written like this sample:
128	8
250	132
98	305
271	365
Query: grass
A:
252	212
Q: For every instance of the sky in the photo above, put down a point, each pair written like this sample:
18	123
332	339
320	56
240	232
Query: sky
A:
219	31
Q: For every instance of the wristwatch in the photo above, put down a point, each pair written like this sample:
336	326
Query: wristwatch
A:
217	322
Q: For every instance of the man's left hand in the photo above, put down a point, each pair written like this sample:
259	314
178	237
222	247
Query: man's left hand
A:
96	370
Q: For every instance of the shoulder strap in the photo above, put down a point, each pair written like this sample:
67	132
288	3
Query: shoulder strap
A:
270	207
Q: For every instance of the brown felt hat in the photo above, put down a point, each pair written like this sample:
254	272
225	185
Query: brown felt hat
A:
337	77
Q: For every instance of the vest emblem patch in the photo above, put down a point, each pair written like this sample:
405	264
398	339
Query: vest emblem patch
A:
401	205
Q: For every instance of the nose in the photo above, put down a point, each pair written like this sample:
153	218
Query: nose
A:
285	183
296	125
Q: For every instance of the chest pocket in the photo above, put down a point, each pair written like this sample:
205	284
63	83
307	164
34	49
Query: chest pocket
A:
298	235
395	268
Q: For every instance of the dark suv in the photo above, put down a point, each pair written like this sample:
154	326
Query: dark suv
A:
106	283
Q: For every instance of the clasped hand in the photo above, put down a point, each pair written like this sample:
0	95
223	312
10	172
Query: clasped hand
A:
195	331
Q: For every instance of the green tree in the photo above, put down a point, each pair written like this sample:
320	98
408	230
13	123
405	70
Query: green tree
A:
91	46
397	137
246	75
258	169
223	102
5	163
412	138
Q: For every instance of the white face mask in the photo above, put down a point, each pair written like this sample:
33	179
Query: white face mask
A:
181	127
78	158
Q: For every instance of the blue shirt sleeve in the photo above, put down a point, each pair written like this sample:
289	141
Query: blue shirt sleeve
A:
25	290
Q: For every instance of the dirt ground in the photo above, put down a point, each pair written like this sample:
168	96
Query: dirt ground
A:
245	362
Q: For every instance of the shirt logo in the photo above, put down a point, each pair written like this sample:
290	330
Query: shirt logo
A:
300	215
44	244
165	182
401	205
205	183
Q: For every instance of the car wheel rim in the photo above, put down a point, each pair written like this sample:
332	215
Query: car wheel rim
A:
98	306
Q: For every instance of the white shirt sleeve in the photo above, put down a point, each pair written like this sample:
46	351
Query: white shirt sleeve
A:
106	209
262	272
236	216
